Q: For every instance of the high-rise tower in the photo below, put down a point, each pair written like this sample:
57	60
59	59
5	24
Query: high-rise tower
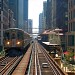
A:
70	35
25	17
3	18
20	14
41	23
57	14
13	5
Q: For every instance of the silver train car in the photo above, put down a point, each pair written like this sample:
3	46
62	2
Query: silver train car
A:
15	38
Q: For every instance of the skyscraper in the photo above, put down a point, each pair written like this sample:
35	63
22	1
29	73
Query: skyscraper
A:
41	23
20	14
57	11
3	18
62	15
49	14
70	35
25	16
57	17
13	5
44	14
30	24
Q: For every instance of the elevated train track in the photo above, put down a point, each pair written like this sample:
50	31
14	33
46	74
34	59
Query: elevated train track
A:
7	64
42	57
21	69
32	63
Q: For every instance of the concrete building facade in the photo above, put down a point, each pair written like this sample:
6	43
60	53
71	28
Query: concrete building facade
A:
41	23
70	35
44	14
23	14
20	14
3	18
57	18
30	24
48	14
25	17
51	12
13	6
62	15
10	17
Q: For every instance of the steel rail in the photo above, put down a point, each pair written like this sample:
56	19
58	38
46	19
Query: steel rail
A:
29	66
50	62
38	63
42	59
12	67
57	70
7	66
22	66
35	61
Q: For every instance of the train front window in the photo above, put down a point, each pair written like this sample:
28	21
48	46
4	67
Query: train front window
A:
6	35
45	38
13	36
20	35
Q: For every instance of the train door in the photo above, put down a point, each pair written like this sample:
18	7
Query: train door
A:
13	39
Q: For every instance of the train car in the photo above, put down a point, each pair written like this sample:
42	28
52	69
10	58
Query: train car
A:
15	38
51	37
51	40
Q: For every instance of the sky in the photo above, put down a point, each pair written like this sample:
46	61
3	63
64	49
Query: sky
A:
35	8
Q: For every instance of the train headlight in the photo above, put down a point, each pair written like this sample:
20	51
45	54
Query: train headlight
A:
8	43
18	42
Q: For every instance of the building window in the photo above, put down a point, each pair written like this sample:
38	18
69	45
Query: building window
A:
66	23
71	3
73	26
71	40
74	2
66	14
0	33
0	18
0	25
71	14
74	14
69	28
0	4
